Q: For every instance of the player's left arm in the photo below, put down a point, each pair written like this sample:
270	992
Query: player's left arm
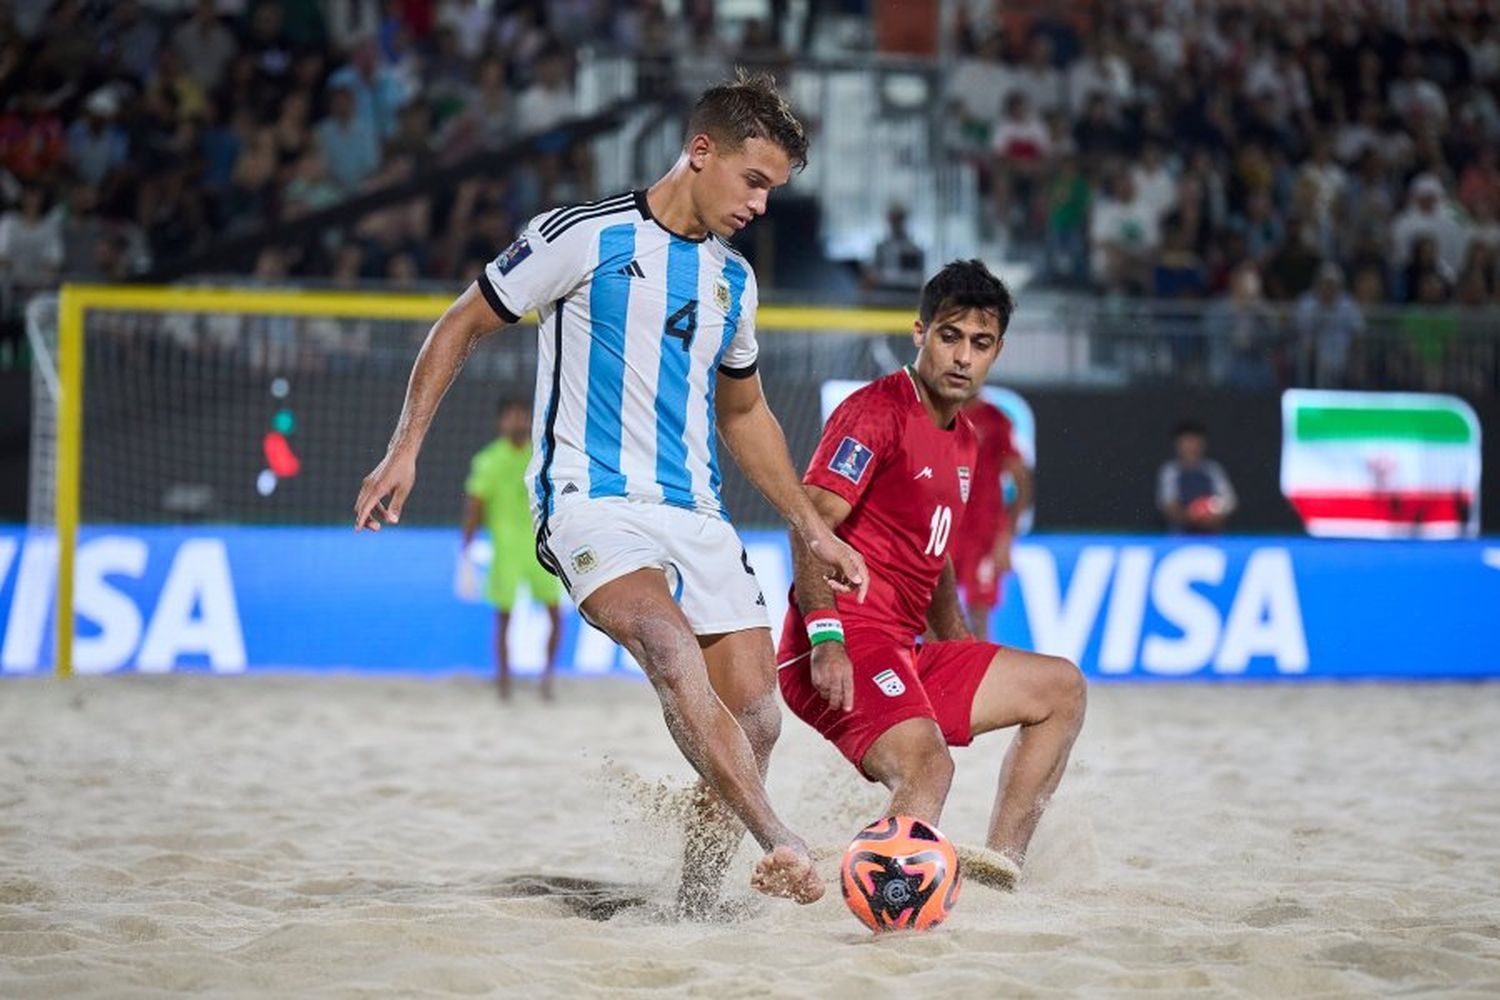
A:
1025	491
945	618
753	436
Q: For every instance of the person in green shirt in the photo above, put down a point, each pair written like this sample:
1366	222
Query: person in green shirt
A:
495	496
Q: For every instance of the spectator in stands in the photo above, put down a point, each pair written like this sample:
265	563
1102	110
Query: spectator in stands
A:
1428	216
1419	101
80	227
96	145
111	260
1023	150
485	120
1294	266
1179	271
898	265
1124	235
348	141
1067	205
293	133
377	91
310	188
1039	79
1241	334
1479	186
1325	181
1430	330
1099	136
1193	492
549	101
1424	263
1327	321
1101	71
976	89
1154	184
31	247
205	46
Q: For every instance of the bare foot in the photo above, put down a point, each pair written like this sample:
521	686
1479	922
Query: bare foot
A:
988	867
788	873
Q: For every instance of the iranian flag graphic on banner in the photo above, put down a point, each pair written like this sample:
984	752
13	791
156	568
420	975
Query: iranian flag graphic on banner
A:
1381	464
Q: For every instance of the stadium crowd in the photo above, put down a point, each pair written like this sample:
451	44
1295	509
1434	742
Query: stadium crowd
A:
1335	157
1310	167
1168	149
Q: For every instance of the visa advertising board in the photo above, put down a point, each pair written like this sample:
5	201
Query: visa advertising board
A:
232	600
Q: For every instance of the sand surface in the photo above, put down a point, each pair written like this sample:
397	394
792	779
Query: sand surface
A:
358	837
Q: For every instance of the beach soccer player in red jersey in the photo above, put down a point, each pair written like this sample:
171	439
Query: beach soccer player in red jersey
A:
981	552
892	476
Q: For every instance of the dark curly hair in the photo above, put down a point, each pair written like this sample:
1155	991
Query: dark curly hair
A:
749	106
966	284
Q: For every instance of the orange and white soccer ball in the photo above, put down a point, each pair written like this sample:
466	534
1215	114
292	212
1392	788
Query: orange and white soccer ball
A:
900	874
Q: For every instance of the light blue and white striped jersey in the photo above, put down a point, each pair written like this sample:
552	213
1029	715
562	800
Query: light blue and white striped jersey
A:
634	322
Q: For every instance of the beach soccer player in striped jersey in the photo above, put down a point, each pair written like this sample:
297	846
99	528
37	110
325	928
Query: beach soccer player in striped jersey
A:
893	475
647	354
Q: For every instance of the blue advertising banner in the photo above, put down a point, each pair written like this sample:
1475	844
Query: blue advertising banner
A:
238	599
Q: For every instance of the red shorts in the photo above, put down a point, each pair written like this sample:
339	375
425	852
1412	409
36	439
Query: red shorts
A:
894	680
975	572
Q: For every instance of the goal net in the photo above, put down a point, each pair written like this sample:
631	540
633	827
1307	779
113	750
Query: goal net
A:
193	415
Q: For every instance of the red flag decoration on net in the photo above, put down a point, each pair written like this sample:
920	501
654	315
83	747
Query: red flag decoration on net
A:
279	455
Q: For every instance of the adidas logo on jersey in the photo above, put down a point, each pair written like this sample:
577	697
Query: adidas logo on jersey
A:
570	488
633	270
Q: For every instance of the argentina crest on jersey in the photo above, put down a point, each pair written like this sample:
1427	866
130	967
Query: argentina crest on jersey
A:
850	460
963	483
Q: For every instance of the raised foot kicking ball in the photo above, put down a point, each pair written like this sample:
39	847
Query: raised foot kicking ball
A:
900	874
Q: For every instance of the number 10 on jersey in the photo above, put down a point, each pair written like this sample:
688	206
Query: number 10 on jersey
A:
942	523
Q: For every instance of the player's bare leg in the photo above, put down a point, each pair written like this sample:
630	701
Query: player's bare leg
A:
911	759
554	637
502	653
741	668
638	612
1046	696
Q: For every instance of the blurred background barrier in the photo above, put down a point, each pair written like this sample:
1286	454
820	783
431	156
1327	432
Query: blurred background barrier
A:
193	416
1130	608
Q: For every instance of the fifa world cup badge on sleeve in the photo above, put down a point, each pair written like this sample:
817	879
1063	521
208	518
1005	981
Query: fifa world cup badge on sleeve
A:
850	460
513	255
963	483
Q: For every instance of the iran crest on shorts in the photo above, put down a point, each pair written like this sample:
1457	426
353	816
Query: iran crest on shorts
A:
889	682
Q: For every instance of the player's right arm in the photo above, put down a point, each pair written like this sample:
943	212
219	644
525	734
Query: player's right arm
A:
862	433
473	514
450	341
945	617
533	270
832	673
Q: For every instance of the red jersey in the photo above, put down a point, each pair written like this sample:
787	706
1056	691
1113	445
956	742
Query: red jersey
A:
987	502
908	481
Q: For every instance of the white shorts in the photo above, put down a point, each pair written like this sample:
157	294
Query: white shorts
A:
592	542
